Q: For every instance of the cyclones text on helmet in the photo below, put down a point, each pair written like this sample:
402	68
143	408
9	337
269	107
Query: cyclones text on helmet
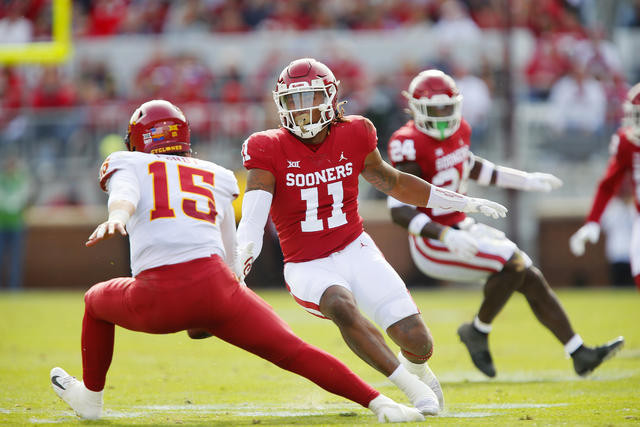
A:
435	103
631	109
158	127
306	97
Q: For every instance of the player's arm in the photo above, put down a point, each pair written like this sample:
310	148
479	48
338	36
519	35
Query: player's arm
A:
607	187
486	173
124	194
419	224
256	205
415	191
228	232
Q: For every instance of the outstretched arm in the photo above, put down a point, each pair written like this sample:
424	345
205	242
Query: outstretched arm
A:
119	213
487	173
255	212
415	191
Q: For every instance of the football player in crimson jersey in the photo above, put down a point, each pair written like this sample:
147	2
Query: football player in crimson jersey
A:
624	160
178	214
447	245
305	174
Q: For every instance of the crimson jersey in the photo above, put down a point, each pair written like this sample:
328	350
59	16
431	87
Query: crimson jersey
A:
625	158
315	200
444	163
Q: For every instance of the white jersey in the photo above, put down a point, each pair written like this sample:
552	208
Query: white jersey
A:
183	206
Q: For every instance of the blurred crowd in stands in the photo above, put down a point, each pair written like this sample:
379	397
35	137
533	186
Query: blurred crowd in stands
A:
575	67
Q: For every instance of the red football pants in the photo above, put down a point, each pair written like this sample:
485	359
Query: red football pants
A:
204	294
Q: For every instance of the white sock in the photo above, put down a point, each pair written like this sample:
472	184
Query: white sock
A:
413	368
408	383
92	396
573	344
481	326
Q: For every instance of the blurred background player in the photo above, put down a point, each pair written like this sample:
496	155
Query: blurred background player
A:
305	174
16	193
624	159
178	214
445	244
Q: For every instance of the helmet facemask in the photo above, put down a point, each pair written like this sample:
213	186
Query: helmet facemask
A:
305	109
438	116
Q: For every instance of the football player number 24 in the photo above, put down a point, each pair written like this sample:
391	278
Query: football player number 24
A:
161	203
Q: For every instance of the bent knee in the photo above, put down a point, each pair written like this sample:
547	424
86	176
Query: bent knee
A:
412	335
338	304
517	264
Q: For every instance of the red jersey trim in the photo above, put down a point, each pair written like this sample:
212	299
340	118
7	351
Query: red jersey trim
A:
479	254
306	304
458	263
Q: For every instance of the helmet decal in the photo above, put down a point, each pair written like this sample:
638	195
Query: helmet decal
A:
158	127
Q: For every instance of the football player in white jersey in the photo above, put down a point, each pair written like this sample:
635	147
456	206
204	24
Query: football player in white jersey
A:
177	212
448	245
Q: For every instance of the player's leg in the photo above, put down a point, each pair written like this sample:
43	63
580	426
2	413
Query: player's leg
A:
85	397
328	283
549	311
253	325
495	265
382	295
634	252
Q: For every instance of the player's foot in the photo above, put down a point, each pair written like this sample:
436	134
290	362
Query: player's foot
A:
478	346
426	376
85	403
389	411
586	359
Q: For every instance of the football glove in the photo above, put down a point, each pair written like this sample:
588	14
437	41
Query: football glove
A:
459	242
539	181
484	206
588	232
244	261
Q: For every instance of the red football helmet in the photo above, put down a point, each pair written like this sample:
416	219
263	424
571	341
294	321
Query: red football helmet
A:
306	86
435	103
158	127
631	109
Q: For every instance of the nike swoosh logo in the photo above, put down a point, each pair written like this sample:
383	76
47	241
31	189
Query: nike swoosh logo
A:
54	380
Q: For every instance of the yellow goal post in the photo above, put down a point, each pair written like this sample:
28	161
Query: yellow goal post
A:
56	51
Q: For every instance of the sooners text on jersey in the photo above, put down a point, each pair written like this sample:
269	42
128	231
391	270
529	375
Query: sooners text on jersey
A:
444	163
315	202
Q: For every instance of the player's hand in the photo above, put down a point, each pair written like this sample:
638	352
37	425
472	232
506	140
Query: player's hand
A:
483	230
105	231
459	242
538	181
588	232
486	207
244	261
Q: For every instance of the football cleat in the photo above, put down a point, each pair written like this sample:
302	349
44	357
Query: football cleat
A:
586	359
427	377
389	411
85	403
478	346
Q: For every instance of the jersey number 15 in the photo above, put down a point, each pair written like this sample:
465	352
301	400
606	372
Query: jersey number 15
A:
161	203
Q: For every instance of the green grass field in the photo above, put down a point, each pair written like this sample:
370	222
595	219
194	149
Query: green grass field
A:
169	380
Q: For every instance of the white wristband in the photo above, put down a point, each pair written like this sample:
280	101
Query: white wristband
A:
511	178
119	215
445	199
417	223
486	173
